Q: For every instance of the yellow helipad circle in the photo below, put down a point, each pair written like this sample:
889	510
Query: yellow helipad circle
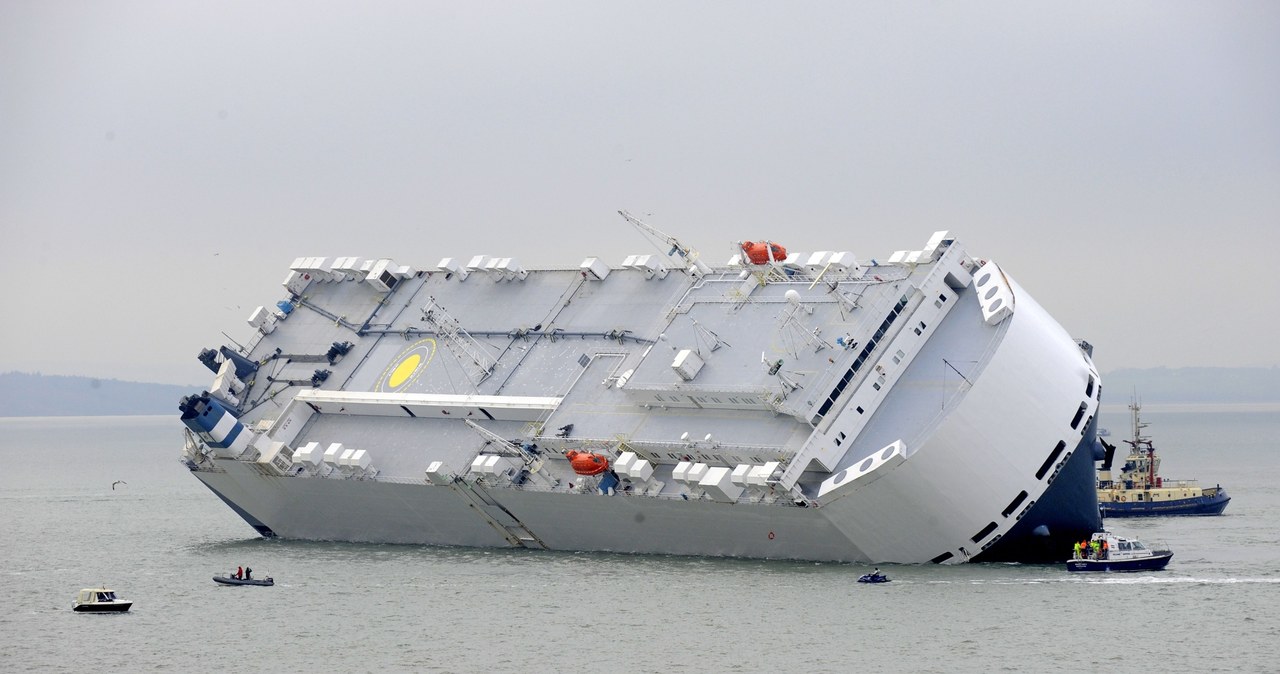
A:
404	369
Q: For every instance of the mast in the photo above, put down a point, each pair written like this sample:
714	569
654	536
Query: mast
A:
1142	444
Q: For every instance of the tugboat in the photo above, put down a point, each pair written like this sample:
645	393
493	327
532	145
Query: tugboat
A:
1117	553
100	600
1141	491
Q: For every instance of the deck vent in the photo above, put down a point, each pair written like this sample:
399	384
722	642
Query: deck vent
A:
595	269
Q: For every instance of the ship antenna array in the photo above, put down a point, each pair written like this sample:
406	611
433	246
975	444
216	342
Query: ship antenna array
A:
464	347
688	255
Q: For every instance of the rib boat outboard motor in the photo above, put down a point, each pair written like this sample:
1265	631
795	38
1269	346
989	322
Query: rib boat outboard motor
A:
213	423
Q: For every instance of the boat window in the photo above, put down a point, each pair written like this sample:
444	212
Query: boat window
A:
1137	545
1088	390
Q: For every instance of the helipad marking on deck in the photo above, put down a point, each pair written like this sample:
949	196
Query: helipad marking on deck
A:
407	366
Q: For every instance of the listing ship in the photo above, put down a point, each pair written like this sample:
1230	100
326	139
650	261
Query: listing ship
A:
1140	490
782	405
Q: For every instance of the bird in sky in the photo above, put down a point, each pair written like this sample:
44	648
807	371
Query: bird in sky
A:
113	484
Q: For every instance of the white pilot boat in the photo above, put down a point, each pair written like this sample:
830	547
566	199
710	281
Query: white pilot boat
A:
1121	554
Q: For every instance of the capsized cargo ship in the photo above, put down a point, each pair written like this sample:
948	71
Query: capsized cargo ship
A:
783	405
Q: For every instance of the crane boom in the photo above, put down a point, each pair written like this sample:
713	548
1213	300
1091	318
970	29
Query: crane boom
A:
689	255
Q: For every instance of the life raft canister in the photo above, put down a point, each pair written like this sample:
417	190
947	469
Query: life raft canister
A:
586	463
757	252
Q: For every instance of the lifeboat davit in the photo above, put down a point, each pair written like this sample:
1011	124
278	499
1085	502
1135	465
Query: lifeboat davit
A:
758	252
586	463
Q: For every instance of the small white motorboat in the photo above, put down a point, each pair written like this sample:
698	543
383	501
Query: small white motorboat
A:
100	600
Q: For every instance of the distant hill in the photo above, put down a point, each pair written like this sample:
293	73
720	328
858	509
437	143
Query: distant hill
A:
1193	385
37	395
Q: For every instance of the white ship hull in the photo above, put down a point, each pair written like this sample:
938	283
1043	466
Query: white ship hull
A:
979	445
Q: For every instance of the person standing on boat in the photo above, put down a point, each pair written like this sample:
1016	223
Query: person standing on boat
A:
239	572
1075	554
1105	551
248	573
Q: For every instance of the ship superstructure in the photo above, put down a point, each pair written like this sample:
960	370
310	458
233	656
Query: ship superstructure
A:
782	405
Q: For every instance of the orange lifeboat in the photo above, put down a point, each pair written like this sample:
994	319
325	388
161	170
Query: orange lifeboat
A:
586	463
757	252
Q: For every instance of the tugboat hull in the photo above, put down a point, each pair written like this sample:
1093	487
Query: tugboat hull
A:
1208	504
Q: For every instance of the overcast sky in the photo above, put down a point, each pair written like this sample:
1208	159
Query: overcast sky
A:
162	163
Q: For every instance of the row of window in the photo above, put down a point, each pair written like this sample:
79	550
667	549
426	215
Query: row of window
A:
862	357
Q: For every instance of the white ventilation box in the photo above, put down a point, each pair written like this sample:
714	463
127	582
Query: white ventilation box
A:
640	470
263	320
384	275
437	473
739	474
478	262
594	268
348	268
333	454
696	472
623	465
311	454
495	464
296	282
937	241
681	472
490	267
451	265
817	261
687	364
650	265
759	475
718	484
842	262
358	459
511	270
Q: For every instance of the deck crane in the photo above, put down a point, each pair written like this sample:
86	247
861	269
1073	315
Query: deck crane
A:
694	265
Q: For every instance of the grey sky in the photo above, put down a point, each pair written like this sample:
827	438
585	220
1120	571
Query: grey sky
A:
162	163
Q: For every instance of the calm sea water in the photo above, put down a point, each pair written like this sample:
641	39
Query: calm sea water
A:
340	607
